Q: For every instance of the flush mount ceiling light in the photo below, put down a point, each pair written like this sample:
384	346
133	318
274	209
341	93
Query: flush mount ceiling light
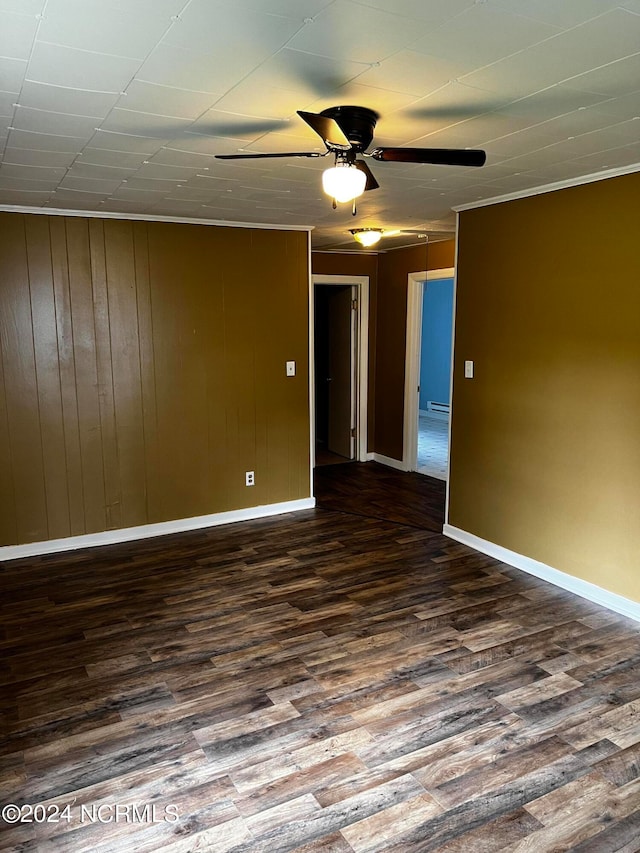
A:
367	236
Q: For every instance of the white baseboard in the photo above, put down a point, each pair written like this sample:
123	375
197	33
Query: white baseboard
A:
585	589
146	531
398	464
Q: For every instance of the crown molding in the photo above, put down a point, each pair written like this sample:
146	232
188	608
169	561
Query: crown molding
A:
549	188
144	217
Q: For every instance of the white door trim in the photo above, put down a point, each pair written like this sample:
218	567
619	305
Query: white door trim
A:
361	283
412	361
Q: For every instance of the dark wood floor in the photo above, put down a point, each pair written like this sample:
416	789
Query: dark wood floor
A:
341	679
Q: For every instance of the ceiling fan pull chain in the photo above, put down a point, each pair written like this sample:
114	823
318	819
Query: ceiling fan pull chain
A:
334	203
354	210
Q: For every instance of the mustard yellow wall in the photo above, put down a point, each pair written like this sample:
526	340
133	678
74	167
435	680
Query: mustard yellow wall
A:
545	455
142	372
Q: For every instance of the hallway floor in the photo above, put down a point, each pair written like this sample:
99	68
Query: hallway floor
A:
433	446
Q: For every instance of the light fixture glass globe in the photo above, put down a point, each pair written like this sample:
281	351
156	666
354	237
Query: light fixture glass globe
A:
344	182
368	236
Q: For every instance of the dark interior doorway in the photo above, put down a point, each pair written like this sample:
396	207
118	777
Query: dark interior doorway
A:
334	374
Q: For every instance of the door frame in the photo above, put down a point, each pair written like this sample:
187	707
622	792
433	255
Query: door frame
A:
415	294
361	283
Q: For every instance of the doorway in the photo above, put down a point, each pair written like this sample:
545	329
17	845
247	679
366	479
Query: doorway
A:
340	306
428	372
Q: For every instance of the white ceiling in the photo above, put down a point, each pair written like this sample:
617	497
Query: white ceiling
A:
121	105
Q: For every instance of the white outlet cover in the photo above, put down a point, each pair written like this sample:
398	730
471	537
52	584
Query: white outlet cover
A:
291	368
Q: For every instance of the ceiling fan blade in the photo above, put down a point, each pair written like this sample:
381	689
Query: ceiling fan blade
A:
371	184
266	156
435	156
327	129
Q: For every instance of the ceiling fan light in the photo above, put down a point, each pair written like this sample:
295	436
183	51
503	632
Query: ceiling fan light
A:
367	236
344	182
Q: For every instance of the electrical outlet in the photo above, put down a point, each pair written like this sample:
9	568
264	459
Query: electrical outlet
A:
291	368
250	478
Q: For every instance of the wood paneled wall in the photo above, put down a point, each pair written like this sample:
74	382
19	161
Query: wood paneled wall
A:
545	455
142	372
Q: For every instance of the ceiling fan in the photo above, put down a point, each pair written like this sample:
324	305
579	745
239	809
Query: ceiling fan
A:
348	132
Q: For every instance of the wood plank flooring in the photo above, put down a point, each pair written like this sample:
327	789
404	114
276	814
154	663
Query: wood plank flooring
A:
342	679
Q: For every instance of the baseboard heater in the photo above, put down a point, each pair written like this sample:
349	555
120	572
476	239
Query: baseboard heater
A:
432	406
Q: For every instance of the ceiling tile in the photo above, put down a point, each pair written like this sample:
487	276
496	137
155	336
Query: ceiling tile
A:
80	69
7	101
338	32
171	157
165	100
412	72
124	192
32	185
550	103
108	139
82	169
310	75
617	78
77	199
44	141
61	124
298	9
186	69
92	25
626	107
567	13
252	95
434	12
92	185
16	34
37	198
62	100
155	185
481	35
612	158
216	28
144	124
200	143
562	57
12	73
156	171
115	158
25	7
30	157
50	174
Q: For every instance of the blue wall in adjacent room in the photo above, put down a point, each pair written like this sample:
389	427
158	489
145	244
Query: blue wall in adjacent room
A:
435	356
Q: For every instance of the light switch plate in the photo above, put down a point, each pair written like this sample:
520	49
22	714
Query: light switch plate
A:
291	368
468	370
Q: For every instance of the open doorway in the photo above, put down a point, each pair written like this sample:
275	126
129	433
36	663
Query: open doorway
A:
428	372
340	376
434	377
335	373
